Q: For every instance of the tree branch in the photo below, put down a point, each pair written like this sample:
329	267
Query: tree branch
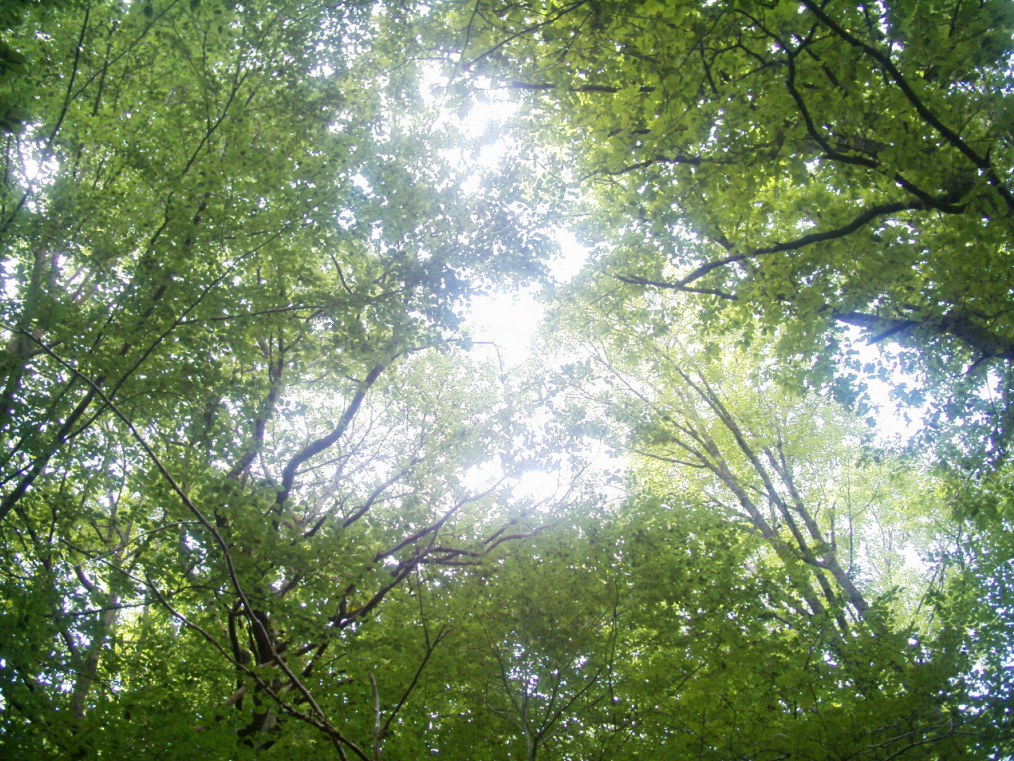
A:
981	162
318	446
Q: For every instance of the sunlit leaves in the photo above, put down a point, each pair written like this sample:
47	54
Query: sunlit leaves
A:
259	500
793	166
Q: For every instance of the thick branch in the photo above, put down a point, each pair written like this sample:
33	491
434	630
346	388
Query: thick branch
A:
953	323
318	446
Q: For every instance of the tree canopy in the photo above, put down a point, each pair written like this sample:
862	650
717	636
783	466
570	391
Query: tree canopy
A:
266	493
804	166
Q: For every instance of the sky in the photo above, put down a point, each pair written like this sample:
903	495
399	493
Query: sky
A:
509	320
505	323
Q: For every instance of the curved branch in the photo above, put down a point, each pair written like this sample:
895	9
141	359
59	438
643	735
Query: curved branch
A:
811	128
527	30
858	222
321	721
633	280
318	446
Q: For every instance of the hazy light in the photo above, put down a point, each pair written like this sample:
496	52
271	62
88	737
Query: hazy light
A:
572	258
506	321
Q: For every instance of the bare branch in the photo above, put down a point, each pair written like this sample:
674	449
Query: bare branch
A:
318	446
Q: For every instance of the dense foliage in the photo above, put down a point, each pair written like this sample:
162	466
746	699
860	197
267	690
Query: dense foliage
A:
796	165
264	496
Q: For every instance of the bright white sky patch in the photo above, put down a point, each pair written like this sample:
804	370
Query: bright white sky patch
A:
572	258
541	485
506	323
895	421
503	322
507	320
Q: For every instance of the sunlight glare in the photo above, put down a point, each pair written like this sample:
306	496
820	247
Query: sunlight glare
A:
542	485
895	421
507	321
571	259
